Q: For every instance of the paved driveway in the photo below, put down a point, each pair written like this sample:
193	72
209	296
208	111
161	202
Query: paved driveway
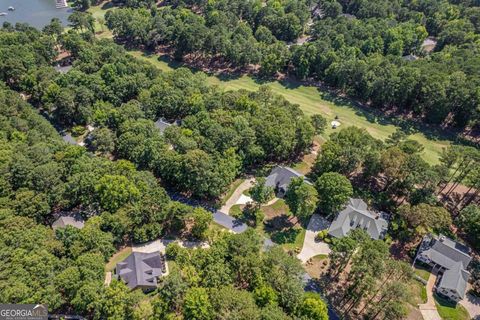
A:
429	309
472	304
311	247
237	196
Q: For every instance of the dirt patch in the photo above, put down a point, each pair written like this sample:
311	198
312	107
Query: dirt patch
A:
317	266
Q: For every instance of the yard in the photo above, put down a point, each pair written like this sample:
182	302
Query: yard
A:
117	257
449	311
422	272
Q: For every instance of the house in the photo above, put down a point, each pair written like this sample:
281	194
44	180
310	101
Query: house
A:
161	125
141	270
410	57
280	178
69	219
449	259
356	215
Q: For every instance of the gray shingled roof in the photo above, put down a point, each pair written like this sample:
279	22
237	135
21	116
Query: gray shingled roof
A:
161	125
67	137
74	220
452	256
446	252
141	269
455	279
280	177
354	216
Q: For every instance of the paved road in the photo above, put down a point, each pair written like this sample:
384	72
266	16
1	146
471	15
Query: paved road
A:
229	222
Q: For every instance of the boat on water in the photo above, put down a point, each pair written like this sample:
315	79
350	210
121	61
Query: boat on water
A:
11	8
3	14
59	4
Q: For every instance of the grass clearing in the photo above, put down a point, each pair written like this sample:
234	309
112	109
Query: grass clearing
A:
118	257
450	311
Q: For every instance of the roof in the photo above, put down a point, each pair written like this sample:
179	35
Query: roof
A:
74	220
63	69
141	269
410	57
356	215
280	177
67	137
161	125
447	252
455	279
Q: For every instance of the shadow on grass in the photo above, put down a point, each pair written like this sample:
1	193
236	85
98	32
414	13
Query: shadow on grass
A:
285	236
281	230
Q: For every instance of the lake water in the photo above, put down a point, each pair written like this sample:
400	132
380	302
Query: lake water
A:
37	13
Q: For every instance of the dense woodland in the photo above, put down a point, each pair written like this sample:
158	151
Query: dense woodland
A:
355	46
118	181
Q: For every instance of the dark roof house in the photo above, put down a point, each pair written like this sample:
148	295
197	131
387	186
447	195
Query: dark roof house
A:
69	219
141	270
451	259
356	215
280	178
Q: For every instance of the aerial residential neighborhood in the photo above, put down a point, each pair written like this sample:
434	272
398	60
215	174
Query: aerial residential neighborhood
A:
240	159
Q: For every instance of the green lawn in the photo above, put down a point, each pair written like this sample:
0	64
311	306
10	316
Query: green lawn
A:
118	257
422	273
448	311
236	211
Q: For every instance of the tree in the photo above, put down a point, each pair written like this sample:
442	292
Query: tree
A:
230	303
201	221
424	218
114	191
82	21
334	191
265	295
102	140
301	198
197	305
313	307
260	193
319	123
469	220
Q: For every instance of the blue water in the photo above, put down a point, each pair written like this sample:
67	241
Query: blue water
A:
37	13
